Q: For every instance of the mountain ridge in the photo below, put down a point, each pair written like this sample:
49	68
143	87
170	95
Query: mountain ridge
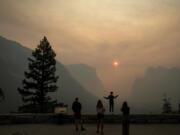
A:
13	59
87	76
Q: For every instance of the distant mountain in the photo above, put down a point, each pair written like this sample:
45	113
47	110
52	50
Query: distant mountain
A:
13	63
148	90
88	78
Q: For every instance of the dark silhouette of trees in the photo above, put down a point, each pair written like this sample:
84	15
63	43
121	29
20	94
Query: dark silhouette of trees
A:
39	80
1	95
167	105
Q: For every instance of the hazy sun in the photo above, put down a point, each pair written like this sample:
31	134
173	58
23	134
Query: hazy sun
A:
115	63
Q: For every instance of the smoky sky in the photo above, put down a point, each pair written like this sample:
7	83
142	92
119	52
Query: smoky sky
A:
137	34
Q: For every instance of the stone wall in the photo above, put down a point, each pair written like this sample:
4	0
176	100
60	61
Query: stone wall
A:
63	119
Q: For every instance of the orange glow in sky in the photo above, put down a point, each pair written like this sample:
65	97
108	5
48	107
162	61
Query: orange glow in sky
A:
121	35
115	64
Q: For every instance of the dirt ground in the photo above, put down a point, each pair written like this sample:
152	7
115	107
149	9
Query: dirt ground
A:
109	129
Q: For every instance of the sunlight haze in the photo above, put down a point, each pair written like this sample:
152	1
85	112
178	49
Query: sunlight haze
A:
139	34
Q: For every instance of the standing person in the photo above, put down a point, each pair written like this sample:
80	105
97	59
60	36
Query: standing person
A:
125	123
76	107
100	116
111	98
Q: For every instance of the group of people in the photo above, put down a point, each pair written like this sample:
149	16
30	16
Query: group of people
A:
76	107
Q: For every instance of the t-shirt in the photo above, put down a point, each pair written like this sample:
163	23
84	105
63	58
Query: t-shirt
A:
100	110
76	107
111	98
125	110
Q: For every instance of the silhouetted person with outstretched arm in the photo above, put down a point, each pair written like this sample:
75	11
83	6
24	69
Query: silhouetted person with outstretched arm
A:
76	107
125	123
111	98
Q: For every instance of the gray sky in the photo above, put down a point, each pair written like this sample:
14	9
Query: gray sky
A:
137	34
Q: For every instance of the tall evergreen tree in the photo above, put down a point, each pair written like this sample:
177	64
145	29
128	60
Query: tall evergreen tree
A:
40	79
167	105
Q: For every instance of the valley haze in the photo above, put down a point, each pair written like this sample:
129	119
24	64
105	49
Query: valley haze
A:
89	36
82	80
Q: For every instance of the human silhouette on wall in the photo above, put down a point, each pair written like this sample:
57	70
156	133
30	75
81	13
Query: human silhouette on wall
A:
111	98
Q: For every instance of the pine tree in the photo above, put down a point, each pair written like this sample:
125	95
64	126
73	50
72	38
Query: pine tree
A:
40	79
167	105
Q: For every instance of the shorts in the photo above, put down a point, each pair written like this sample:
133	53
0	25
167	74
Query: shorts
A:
77	115
100	116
